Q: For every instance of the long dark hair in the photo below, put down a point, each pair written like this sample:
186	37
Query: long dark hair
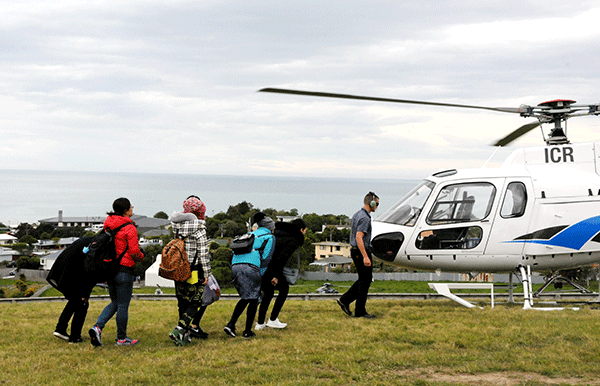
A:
120	206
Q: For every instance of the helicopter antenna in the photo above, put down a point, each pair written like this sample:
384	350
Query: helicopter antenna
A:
491	156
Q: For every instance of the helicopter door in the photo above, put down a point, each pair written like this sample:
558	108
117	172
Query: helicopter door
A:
459	220
512	219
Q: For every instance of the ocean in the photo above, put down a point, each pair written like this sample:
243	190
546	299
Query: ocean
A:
30	196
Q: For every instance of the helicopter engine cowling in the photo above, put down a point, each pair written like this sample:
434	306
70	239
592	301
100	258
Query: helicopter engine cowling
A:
386	246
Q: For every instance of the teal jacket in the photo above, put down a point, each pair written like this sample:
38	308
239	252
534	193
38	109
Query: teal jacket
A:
256	258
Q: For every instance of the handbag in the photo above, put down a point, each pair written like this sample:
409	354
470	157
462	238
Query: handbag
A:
291	275
212	291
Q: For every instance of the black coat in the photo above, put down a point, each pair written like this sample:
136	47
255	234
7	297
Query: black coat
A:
68	275
288	238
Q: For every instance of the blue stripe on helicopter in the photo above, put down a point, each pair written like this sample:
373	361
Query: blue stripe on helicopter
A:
573	237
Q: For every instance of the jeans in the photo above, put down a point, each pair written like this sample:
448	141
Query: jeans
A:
120	289
360	289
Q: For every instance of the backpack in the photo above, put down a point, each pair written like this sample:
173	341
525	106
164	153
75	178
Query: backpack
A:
174	263
240	245
243	244
101	260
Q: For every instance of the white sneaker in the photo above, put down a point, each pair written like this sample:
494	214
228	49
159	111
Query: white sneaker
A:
276	324
260	326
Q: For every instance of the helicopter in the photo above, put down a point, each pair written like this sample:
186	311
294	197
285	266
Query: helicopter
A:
538	211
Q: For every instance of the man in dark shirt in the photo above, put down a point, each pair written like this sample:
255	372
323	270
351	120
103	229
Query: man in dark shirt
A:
360	241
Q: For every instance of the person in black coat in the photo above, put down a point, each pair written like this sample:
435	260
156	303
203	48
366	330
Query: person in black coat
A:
288	238
69	277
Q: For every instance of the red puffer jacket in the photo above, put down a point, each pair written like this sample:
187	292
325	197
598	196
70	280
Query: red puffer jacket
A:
126	238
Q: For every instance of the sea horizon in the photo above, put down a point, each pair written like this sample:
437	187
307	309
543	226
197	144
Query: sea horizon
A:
33	195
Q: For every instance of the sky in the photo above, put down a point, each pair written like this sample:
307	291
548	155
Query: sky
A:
172	86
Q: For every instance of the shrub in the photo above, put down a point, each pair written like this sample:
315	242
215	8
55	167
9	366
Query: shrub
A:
21	286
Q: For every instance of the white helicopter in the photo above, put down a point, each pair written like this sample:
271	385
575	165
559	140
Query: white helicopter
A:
539	211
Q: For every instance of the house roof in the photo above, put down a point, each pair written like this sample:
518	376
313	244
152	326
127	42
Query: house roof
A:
52	256
156	232
333	259
86	219
149	222
8	252
6	237
333	244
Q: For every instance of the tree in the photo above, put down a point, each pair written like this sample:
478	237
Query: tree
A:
25	229
28	239
162	215
28	262
220	265
45	228
233	228
314	222
21	247
69	232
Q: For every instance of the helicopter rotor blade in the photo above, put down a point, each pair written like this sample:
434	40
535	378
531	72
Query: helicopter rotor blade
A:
376	99
517	133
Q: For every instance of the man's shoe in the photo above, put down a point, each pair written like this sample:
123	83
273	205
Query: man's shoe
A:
367	316
127	342
344	308
61	335
198	333
259	326
75	340
230	330
178	336
248	334
96	336
276	324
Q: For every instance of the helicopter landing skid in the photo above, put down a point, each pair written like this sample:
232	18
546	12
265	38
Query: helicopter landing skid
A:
528	294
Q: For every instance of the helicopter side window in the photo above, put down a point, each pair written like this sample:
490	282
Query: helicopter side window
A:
450	238
462	203
515	200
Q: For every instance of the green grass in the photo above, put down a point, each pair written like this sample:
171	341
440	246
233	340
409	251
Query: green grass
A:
410	342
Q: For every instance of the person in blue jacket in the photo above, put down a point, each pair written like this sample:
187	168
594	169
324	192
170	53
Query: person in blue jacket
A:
246	270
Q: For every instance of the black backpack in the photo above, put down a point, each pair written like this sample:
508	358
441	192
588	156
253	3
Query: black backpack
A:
242	244
101	260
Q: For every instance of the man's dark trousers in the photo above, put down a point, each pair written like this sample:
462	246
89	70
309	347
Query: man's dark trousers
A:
360	289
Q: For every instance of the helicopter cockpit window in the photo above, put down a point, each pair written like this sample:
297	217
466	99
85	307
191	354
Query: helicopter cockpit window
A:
407	210
450	238
462	203
515	200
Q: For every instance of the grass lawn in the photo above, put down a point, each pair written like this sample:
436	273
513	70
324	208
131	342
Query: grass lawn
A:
409	343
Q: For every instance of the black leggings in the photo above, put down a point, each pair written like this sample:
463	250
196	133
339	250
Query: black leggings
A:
239	309
77	309
268	292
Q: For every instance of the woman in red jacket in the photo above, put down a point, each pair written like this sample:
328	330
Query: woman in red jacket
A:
121	286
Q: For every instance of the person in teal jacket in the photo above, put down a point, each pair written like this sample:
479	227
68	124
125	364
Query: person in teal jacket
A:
246	270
